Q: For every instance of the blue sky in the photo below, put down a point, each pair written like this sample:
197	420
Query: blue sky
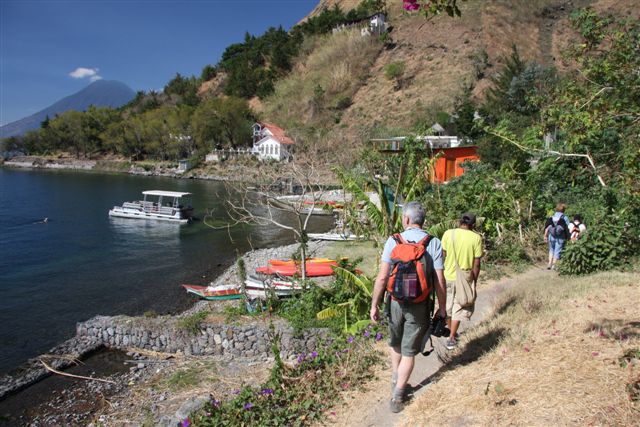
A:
142	43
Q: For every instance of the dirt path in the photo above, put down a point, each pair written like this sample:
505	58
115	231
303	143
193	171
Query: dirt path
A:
370	407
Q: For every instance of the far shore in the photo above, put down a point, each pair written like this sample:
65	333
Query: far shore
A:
230	170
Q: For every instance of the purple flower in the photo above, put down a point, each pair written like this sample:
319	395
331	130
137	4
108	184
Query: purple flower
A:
313	355
266	391
236	391
346	350
301	357
248	406
215	403
366	334
378	336
350	339
185	423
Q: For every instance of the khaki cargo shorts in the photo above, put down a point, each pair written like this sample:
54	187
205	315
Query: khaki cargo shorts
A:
407	326
454	311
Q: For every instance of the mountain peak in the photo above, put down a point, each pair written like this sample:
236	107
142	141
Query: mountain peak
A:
101	93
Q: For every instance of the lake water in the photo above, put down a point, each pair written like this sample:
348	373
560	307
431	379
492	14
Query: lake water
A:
81	263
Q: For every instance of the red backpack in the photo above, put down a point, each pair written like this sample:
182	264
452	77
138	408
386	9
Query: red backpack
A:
408	281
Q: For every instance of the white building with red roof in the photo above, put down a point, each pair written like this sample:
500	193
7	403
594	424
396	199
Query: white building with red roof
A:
271	142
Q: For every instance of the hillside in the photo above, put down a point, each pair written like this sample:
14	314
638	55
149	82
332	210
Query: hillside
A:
102	93
440	57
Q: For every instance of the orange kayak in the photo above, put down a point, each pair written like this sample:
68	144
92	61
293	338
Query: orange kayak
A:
313	270
309	261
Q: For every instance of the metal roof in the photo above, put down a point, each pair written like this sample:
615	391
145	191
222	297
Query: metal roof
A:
165	193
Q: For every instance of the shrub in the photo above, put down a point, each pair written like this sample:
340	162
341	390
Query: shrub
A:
343	102
603	247
192	323
301	394
394	70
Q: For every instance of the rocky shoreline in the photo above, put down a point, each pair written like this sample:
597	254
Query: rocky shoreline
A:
238	344
120	166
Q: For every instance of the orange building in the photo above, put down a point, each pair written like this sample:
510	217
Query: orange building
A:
449	162
447	150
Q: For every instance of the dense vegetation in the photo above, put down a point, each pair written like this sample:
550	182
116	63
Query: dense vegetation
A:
544	138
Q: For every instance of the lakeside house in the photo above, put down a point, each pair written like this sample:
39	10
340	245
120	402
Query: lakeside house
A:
271	142
450	152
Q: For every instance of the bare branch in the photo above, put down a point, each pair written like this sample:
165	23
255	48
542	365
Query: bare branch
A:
553	152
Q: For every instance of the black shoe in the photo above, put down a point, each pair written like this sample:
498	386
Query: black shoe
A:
396	405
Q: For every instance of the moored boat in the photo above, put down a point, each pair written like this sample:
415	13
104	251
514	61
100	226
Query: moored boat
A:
334	236
309	260
256	288
154	205
312	270
224	292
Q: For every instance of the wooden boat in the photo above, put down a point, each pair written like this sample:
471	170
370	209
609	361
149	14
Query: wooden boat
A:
173	211
309	260
312	270
224	292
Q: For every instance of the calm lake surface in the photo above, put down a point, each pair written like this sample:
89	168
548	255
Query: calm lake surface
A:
81	263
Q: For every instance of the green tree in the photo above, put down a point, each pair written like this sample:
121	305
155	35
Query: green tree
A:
223	122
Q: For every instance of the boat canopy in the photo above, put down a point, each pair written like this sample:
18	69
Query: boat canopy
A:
165	193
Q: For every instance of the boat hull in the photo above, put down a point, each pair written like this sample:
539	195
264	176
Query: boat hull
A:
312	270
139	214
204	293
333	236
309	261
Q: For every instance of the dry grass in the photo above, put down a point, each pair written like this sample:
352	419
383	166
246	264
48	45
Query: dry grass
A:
337	64
438	56
551	355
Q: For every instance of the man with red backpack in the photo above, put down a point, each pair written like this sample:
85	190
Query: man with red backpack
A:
411	268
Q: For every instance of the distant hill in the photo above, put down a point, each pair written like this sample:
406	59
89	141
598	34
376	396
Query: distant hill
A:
102	93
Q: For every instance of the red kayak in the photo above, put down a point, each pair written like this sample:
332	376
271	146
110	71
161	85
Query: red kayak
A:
313	270
279	262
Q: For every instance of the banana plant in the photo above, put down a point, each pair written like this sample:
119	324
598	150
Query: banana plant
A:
357	307
410	176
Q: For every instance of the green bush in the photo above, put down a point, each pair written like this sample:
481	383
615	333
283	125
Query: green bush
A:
193	322
394	70
302	394
603	247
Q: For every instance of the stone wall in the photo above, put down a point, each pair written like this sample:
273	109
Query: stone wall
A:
166	335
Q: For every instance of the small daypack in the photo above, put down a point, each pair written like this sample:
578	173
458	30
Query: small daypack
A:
558	227
575	233
408	278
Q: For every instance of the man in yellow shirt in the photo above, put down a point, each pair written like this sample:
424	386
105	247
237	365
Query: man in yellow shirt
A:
463	245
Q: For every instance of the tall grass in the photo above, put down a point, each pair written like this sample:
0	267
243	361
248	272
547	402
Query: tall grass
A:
337	64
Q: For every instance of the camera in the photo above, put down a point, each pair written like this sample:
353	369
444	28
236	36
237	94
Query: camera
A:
438	327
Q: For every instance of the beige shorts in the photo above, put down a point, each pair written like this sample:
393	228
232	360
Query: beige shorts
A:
453	308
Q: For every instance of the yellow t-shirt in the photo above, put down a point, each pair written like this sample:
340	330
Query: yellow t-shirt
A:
468	247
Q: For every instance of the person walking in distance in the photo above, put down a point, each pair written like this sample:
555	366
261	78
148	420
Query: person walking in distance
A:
462	249
556	233
410	268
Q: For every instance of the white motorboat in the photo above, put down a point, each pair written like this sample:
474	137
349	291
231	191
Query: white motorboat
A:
157	205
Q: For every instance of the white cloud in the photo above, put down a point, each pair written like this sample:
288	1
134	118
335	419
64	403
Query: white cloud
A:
82	73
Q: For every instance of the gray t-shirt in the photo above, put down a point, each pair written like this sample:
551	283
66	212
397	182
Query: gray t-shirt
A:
434	248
